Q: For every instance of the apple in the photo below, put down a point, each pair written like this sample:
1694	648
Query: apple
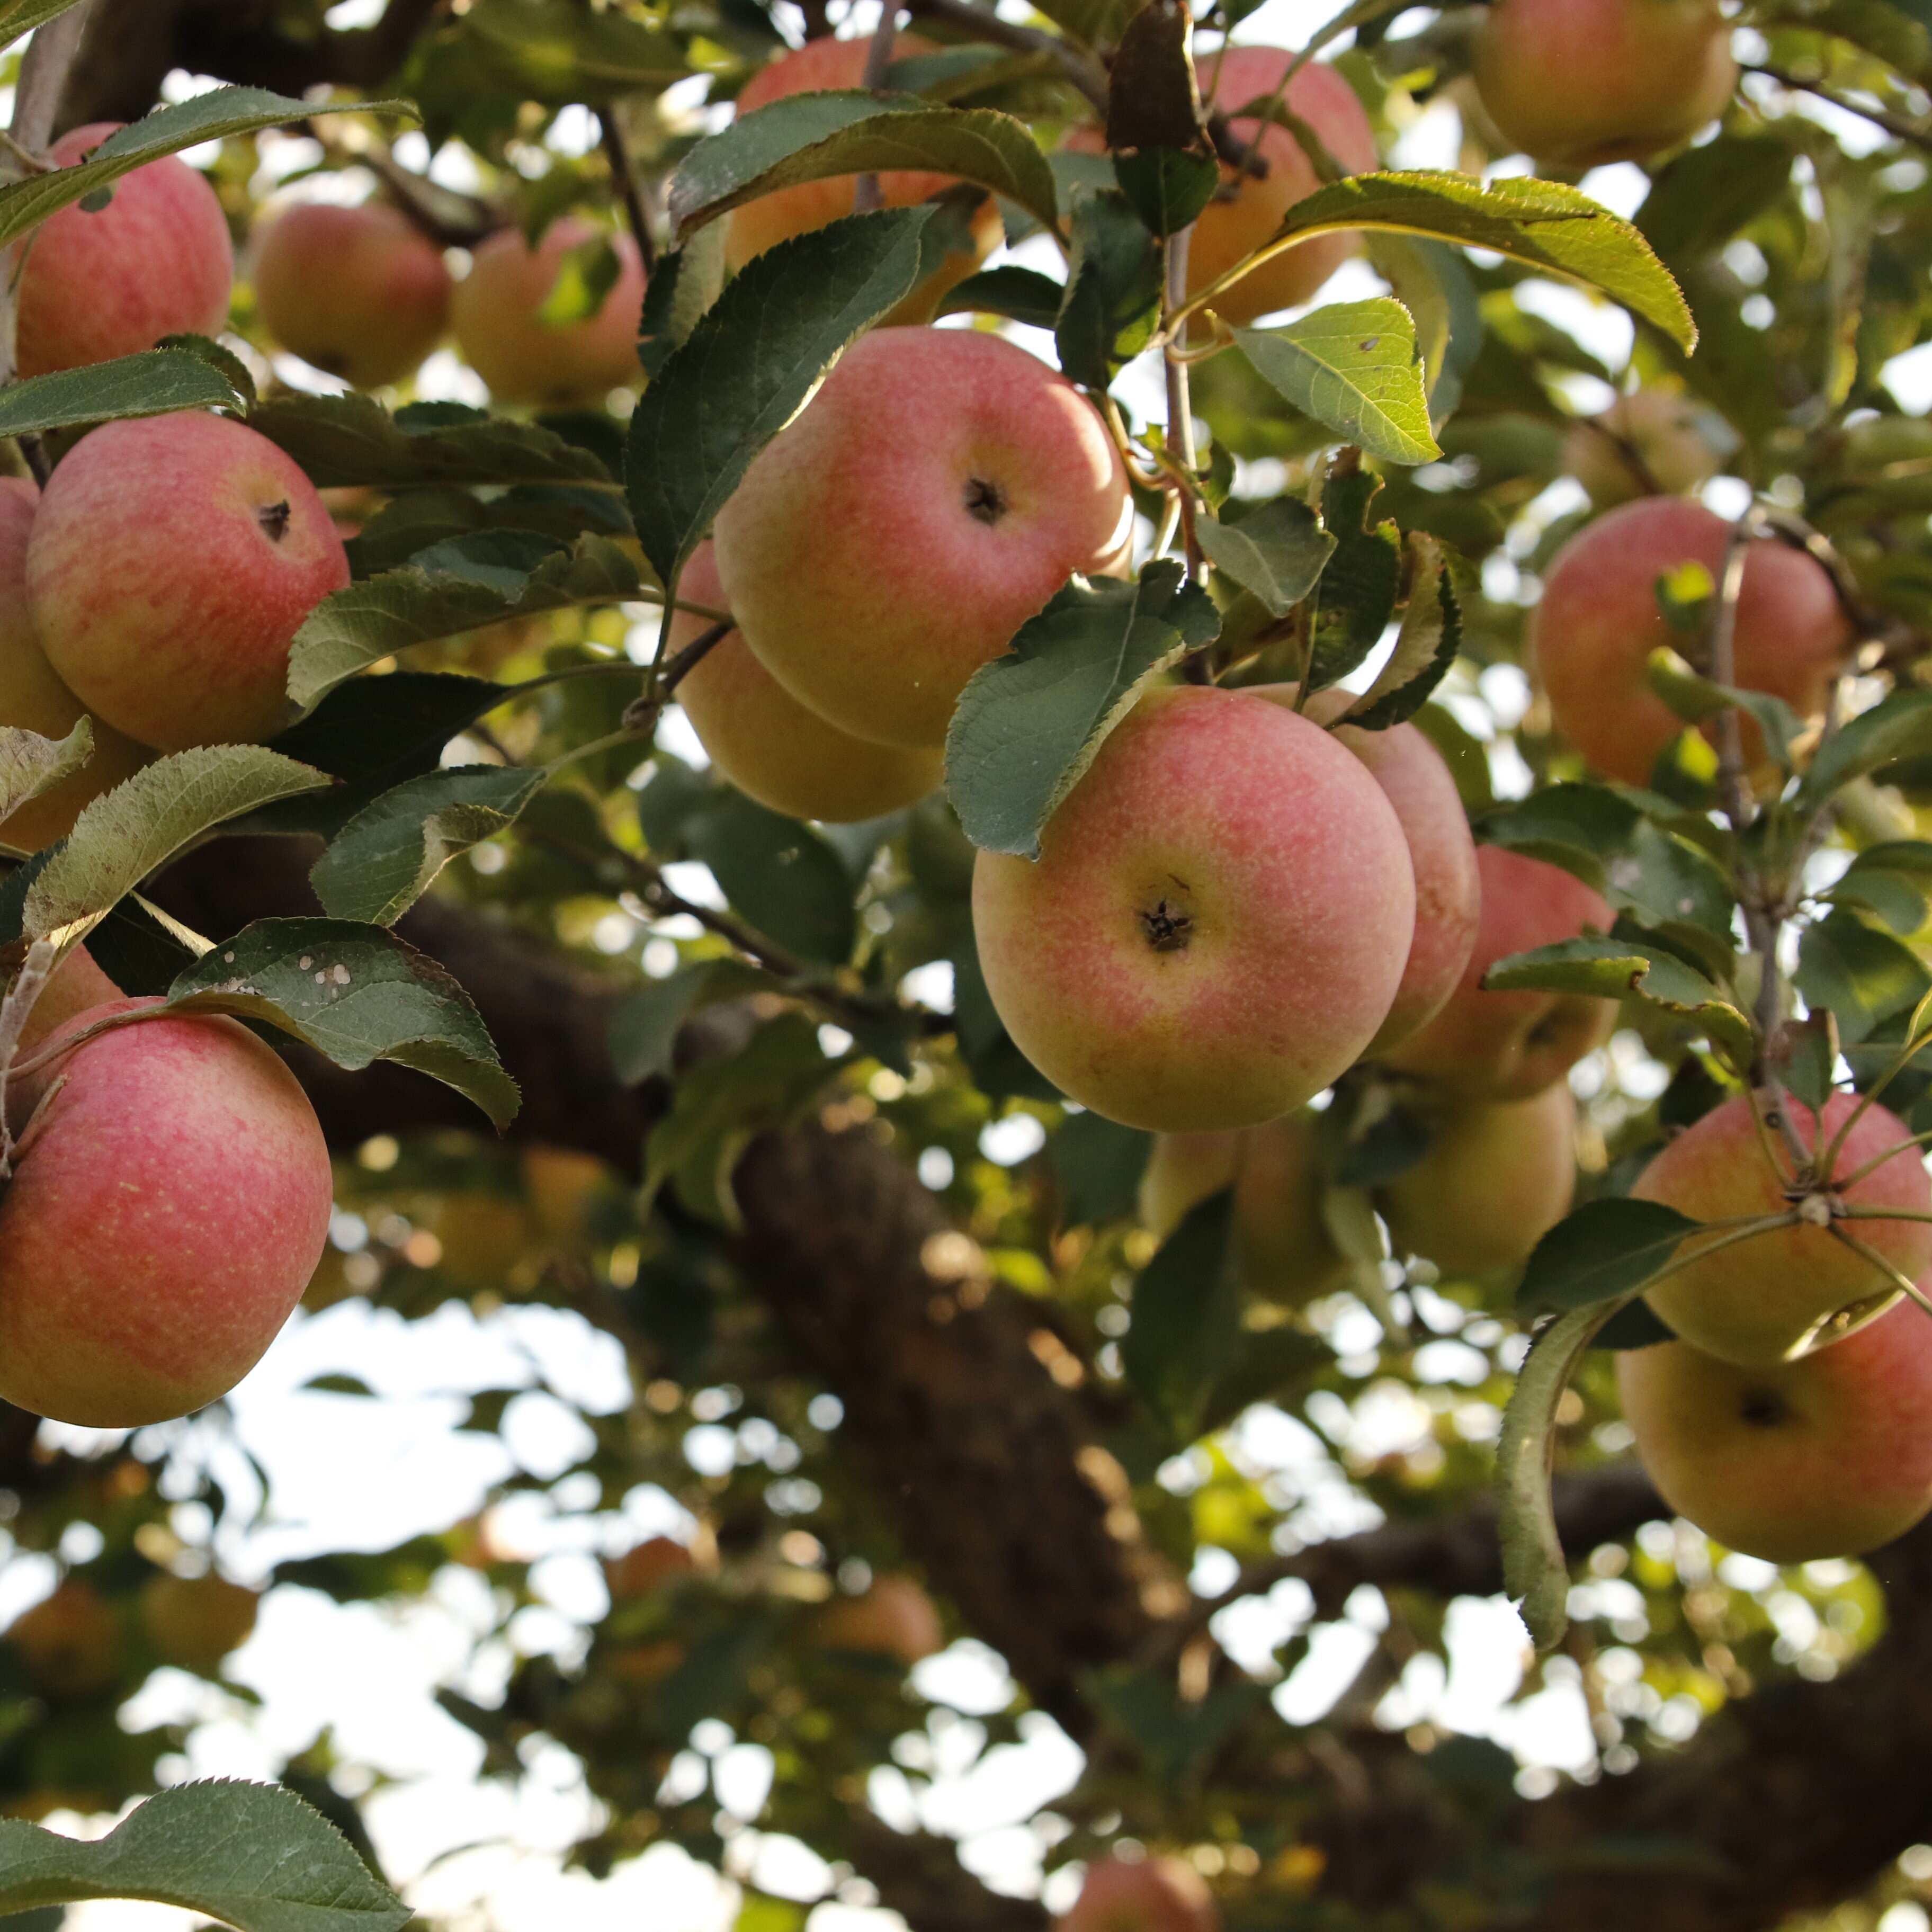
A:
33	698
655	1564
75	985
193	1622
1592	634
172	563
1247	210
1793	1289
1218	922
1283	1249
939	489
1498	1175
564	1190
1677	445
156	261
1142	1895
70	1641
1448	888
827	64
894	1619
161	1223
769	745
359	292
1828	1456
1511	1046
497	309
1578	83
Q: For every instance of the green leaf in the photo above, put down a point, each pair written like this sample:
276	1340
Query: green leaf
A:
1863	976
1092	23
1898	727
1186	1328
22	16
721	1106
1024	295
1535	1574
214	116
559	53
1432	281
1113	288
1100	1164
785	877
1606	1250
1361	583
1029	723
685	284
1278	551
644	1024
1542	223
447	589
30	764
809	136
388	855
253	1855
1168	186
1354	367
350	442
1611	968
1700	199
753	362
133	830
357	994
1425	647
153	384
1893	880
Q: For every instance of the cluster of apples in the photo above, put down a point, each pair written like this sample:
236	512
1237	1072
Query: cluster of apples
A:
171	1191
74	1644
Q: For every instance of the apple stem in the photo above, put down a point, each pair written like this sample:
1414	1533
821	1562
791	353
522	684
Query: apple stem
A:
15	1010
1867	1253
869	196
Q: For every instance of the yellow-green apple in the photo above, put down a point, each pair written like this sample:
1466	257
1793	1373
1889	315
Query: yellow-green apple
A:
193	1622
70	1641
1648	441
1448	889
498	312
894	1619
1142	1895
1599	621
160	1223
172	563
1498	1175
934	495
156	261
1577	83
1794	1289
1247	209
772	747
360	293
818	66
1283	1249
1509	1046
1217	923
655	1564
1828	1456
564	1190
33	698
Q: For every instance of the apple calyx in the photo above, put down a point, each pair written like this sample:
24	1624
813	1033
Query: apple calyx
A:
1169	928
985	502
275	518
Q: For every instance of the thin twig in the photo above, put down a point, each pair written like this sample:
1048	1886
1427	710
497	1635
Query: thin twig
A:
630	191
1866	1251
1916	132
15	1011
869	193
642	715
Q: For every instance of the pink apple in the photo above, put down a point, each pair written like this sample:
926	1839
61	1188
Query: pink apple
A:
1142	1895
1829	1456
1218	923
360	293
162	1222
1795	1288
498	309
156	261
1509	1046
170	566
934	495
1593	634
769	745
